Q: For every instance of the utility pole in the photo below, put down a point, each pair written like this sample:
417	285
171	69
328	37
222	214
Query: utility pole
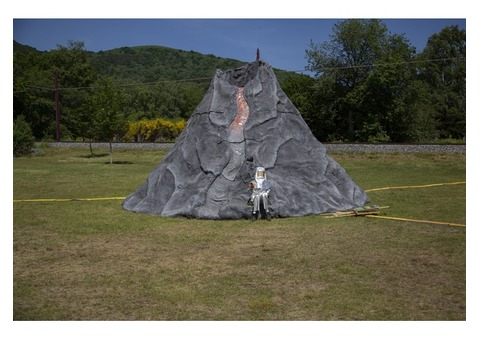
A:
57	108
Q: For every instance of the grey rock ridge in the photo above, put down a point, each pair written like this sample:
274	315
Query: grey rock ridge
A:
245	120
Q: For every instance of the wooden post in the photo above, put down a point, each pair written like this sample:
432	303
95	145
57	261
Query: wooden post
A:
57	109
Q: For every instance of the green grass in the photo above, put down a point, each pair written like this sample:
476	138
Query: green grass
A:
91	260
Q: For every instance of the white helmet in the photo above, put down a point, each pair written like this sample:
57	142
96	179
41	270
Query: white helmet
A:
260	176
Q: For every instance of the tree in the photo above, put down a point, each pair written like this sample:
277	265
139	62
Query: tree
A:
363	81
305	94
106	105
23	140
343	64
444	72
76	76
33	90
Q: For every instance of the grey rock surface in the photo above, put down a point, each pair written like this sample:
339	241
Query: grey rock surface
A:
245	120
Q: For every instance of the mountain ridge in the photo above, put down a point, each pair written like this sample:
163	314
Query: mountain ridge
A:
149	63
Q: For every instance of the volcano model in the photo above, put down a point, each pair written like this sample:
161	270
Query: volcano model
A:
244	122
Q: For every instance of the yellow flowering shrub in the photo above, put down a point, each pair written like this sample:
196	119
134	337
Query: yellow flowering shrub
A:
154	130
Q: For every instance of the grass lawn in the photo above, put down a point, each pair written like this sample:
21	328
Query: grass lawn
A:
91	260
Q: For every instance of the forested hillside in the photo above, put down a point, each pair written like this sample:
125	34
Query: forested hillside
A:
369	86
147	64
157	63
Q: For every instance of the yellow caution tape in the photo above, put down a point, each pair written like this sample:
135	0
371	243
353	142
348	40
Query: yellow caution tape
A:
121	198
69	199
415	186
418	221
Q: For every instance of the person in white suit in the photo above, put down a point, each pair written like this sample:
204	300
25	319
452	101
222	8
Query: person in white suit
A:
260	189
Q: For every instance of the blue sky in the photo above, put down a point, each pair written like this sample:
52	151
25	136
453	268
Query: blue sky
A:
282	42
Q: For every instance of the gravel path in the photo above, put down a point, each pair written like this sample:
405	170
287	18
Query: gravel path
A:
403	148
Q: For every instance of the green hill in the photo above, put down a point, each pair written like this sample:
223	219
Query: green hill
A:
145	64
154	63
23	49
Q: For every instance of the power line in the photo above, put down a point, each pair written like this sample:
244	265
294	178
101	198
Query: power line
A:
209	78
385	64
120	85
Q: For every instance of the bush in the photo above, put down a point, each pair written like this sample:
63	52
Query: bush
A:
23	140
372	133
154	130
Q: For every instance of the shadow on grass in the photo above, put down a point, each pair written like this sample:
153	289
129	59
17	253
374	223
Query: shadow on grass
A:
99	155
119	162
95	155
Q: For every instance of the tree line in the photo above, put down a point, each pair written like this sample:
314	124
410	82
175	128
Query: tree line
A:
372	86
368	86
